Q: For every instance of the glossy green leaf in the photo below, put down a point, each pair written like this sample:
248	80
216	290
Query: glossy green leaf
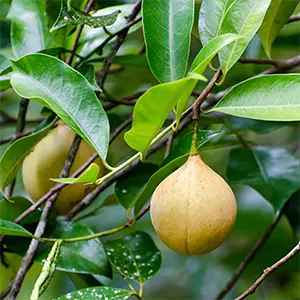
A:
11	210
68	14
277	15
270	98
167	29
4	63
90	175
244	18
207	53
70	96
127	188
135	256
257	126
88	71
29	32
99	292
152	109
14	155
177	157
86	257
292	212
10	228
211	16
5	82
273	172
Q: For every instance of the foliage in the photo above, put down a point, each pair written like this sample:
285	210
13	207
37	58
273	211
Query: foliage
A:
100	66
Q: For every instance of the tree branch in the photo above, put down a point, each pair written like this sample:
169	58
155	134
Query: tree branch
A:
249	257
73	50
119	41
40	229
21	122
269	271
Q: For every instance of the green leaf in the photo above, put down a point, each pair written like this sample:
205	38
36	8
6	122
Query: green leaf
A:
4	63
270	98
101	292
292	212
29	32
5	82
244	18
14	155
88	71
10	228
11	210
207	53
68	14
211	16
273	172
152	109
127	188
277	15
90	175
86	257
177	157
135	256
257	126
167	30
70	96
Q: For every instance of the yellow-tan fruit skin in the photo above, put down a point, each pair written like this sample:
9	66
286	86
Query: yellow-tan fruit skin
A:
47	160
193	210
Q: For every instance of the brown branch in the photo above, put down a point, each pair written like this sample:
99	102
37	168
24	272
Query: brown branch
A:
40	229
269	271
106	41
294	18
284	66
20	125
117	44
169	144
119	129
249	257
73	50
129	101
259	61
15	136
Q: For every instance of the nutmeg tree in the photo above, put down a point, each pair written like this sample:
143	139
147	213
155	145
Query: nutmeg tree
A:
149	140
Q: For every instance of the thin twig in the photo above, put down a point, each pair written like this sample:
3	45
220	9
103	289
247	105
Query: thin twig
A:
202	97
119	129
20	125
16	136
294	18
118	42
269	271
259	61
40	229
169	144
129	101
243	265
106	41
284	66
73	50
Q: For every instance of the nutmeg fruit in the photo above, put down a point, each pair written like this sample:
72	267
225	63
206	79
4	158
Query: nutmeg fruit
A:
46	161
193	210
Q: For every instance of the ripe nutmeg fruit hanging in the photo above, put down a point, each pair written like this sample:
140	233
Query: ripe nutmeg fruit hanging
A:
193	210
